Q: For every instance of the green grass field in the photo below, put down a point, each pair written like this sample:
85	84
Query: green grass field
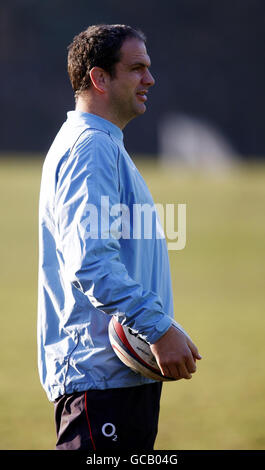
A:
219	296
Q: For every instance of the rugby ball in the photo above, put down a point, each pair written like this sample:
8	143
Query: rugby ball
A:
134	351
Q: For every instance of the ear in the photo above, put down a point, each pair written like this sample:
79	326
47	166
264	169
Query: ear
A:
99	78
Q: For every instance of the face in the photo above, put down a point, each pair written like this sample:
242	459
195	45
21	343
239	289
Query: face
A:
127	91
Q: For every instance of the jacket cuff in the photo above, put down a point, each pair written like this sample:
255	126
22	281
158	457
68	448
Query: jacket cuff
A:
160	328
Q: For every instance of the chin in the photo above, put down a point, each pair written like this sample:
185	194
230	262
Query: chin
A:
137	111
141	109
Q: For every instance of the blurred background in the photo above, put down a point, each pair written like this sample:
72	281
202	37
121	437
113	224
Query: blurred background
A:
200	142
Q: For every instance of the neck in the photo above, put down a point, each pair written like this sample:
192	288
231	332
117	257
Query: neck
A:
91	104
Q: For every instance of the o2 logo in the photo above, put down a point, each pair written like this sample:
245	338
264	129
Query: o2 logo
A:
109	430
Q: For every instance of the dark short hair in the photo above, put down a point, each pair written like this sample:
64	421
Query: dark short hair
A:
98	45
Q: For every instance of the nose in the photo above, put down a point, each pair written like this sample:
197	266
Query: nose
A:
148	78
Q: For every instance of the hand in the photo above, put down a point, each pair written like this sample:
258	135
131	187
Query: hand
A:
175	354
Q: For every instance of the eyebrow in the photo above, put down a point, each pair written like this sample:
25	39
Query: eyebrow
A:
141	64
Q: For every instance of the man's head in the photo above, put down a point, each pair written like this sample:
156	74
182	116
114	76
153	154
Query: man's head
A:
111	63
97	46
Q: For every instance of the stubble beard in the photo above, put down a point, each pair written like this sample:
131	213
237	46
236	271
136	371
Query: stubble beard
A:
125	110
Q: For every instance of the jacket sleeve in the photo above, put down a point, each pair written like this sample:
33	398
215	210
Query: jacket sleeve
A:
91	257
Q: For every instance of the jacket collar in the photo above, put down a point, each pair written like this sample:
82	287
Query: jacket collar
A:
96	122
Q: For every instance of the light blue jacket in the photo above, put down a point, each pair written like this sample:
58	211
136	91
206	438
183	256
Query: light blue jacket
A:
90	269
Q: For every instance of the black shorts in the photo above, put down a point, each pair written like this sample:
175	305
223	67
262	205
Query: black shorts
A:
124	419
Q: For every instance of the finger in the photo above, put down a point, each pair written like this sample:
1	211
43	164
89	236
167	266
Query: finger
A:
164	370
171	372
174	372
183	371
191	364
194	350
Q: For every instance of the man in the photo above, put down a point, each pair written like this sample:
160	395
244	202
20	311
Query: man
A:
88	272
